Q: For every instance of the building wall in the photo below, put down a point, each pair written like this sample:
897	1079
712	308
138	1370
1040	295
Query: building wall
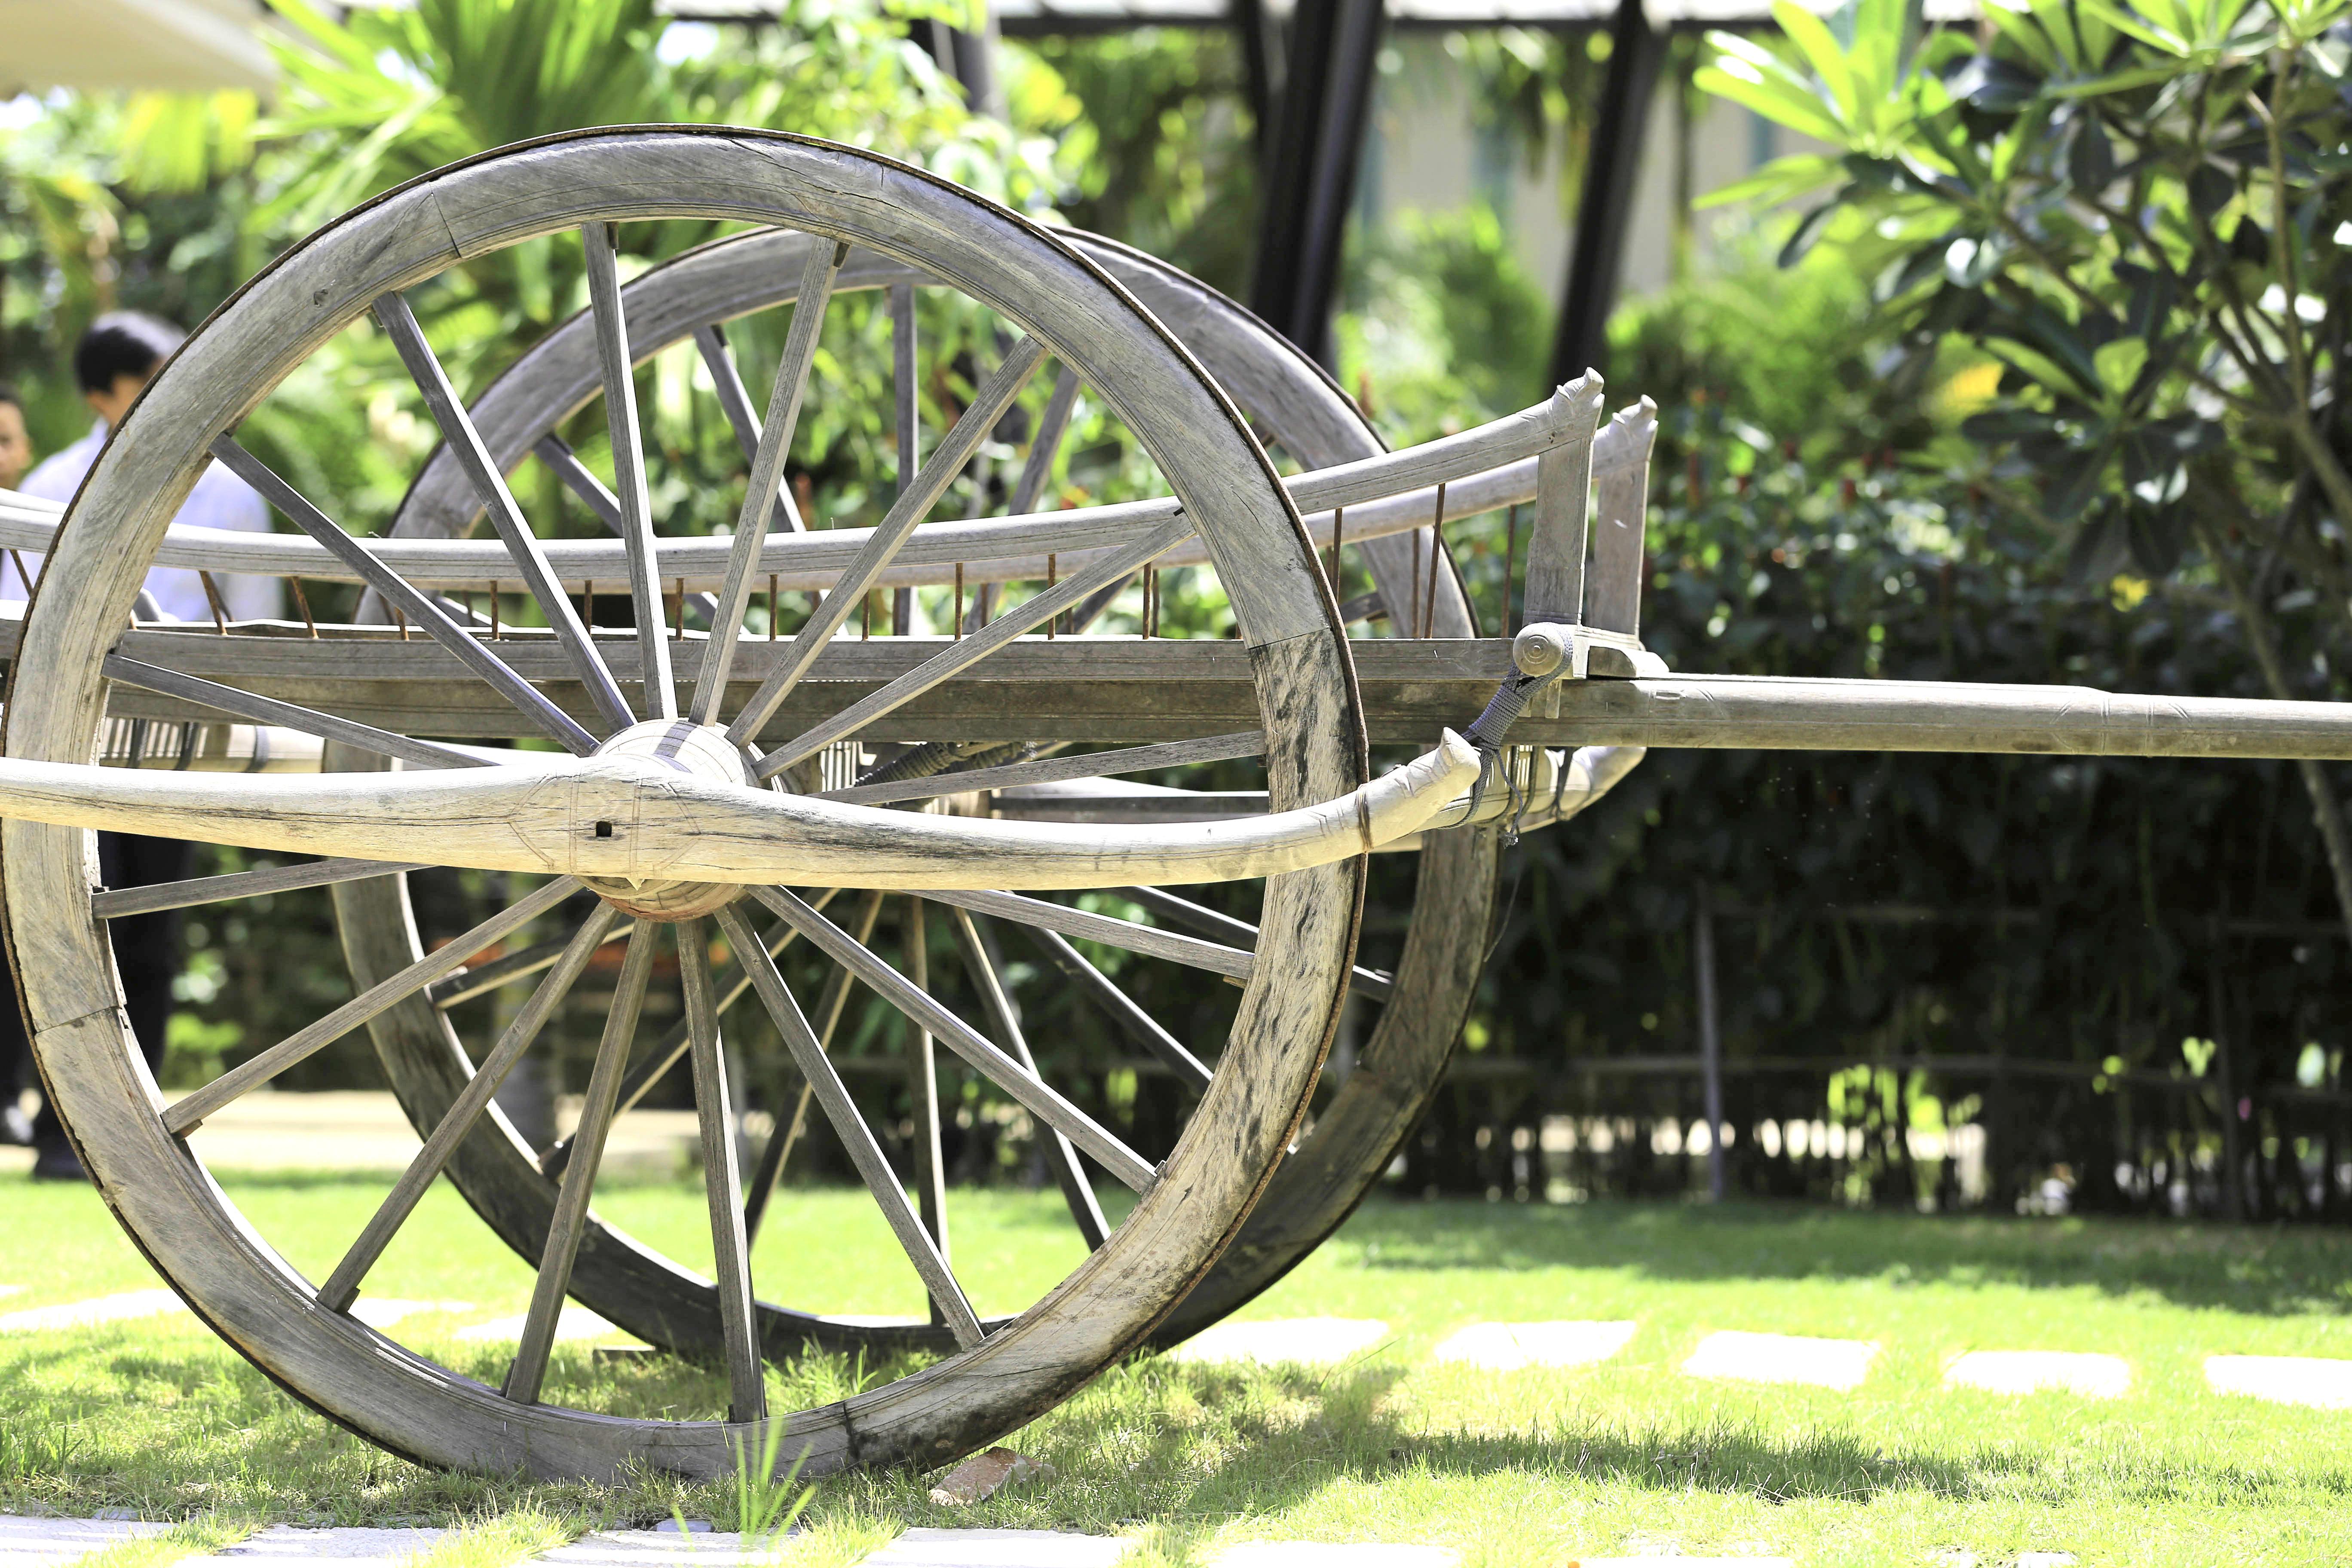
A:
1425	154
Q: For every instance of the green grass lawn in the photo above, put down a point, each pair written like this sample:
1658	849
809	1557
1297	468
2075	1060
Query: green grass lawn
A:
1537	1466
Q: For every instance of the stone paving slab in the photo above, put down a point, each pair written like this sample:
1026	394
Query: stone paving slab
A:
27	1542
1509	1347
1332	1554
1302	1342
2031	1372
658	1549
999	1549
2322	1382
572	1324
99	1309
284	1543
1783	1358
366	1130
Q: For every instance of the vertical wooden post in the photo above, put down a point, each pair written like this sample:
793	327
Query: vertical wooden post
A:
1557	534
1710	1036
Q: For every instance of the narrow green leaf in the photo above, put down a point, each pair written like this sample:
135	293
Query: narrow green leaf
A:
1822	52
1739	82
1777	181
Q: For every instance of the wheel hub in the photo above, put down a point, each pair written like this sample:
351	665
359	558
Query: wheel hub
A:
704	752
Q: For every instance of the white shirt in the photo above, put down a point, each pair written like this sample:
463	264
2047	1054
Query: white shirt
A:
220	499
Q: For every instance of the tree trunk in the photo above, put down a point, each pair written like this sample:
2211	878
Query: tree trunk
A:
2327	811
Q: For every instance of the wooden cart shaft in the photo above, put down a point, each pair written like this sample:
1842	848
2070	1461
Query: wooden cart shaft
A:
1117	690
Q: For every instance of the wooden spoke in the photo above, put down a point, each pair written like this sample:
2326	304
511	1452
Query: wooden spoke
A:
778	1147
425	610
1088	614
506	518
832	1097
734	398
529	1370
343	1287
259	709
184	1115
1192	916
480	979
913	504
1038	1097
636	511
988	979
1110	930
115	903
1140	1025
1051	430
722	1176
672	1047
923	1082
1060	770
736	402
1208	923
567	466
967	651
766	482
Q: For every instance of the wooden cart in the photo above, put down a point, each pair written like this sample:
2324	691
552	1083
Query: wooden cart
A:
792	787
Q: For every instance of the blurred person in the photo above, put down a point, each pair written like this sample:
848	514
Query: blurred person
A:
112	364
15	446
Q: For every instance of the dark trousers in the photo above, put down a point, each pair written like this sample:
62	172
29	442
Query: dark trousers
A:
146	954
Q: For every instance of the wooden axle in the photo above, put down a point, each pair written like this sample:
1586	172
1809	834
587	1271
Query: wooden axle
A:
640	828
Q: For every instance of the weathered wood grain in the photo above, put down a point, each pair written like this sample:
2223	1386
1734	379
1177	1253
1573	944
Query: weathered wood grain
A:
597	1107
766	486
633	510
1384	498
722	1176
1557	534
1621	510
115	903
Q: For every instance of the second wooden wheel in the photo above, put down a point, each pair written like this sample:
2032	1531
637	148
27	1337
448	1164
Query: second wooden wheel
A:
1354	1134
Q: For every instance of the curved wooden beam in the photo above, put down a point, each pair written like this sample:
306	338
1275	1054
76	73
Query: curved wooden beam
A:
621	818
1395	492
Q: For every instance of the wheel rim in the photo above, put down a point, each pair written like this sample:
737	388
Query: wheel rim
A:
1316	749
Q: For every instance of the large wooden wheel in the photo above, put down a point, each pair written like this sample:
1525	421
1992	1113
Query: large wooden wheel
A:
653	809
1353	1135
